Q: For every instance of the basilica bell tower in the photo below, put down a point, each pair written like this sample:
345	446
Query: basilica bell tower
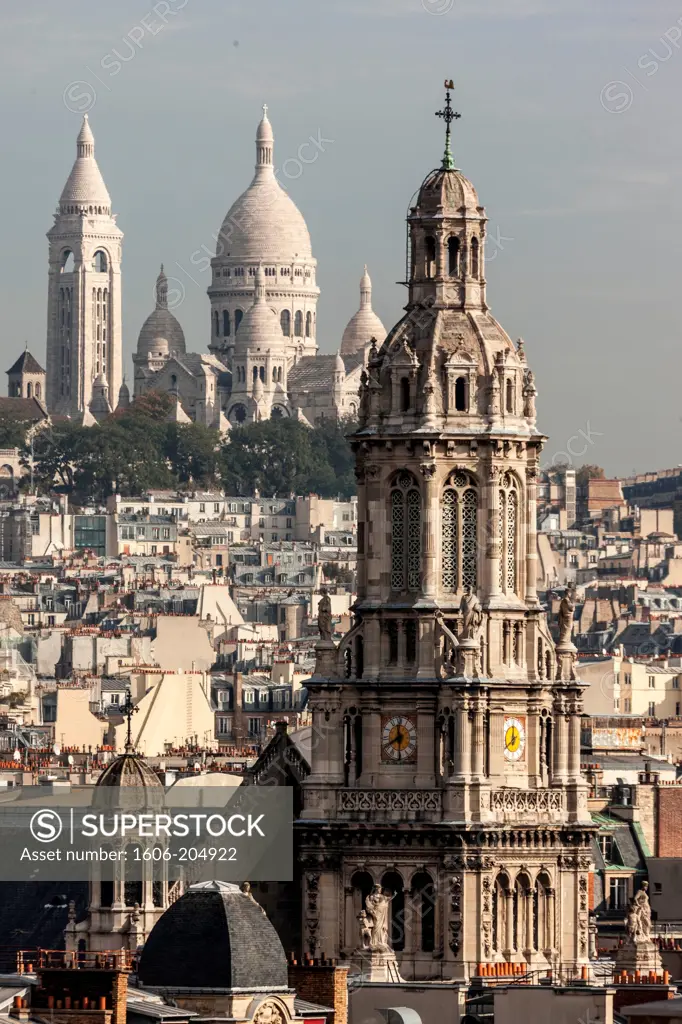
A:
446	724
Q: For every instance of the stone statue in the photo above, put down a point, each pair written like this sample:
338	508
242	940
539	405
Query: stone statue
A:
566	609
639	916
324	616
365	930
472	614
529	395
376	910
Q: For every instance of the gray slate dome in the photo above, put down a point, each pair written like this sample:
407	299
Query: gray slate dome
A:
129	770
215	936
161	333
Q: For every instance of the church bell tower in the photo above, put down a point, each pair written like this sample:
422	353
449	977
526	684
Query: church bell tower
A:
446	724
84	288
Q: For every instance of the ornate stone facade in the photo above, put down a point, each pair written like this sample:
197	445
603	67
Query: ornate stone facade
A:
446	761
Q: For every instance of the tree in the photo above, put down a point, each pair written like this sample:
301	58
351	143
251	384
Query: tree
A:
13	430
331	446
273	457
588	472
192	451
56	452
152	405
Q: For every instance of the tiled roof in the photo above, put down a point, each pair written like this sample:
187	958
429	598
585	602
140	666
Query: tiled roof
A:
312	373
26	364
22	409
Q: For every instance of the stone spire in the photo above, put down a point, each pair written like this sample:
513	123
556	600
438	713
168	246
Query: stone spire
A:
85	143
365	290
364	324
265	141
85	184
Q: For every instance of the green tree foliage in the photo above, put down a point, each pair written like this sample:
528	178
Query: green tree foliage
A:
588	472
137	449
13	430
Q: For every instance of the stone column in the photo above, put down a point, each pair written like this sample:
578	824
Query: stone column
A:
531	535
371	744
351	939
509	921
491	578
462	754
431	513
426	755
549	917
478	743
560	744
529	920
574	746
336	752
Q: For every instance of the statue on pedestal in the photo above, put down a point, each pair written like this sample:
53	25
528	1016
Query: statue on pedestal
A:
472	614
566	610
639	952
376	918
324	616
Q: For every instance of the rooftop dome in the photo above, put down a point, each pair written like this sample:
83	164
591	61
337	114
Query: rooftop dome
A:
264	223
259	326
363	325
447	191
161	333
215	936
85	184
129	769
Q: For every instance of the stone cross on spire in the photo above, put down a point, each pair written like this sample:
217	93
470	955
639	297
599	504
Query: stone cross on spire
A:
448	115
129	709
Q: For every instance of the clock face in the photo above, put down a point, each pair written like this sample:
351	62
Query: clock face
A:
398	740
514	738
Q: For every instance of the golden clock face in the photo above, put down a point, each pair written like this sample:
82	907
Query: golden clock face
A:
514	738
398	739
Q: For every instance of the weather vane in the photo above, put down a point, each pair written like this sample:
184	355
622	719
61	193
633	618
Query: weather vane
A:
449	115
129	709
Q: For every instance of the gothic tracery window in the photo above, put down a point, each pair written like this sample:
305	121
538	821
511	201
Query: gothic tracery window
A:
406	514
459	520
508	525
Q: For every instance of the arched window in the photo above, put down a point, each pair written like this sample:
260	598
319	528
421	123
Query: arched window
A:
404	394
274	375
423	900
308	324
501	905
392	882
37	390
509	507
459	526
216	323
29	391
238	314
461	388
68	262
405	534
429	256
261	373
100	264
132	888
285	321
298	323
509	390
226	323
453	256
255	374
474	257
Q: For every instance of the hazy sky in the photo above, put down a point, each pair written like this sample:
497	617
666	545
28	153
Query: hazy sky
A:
569	130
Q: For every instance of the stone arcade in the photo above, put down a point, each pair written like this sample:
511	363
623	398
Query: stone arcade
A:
446	761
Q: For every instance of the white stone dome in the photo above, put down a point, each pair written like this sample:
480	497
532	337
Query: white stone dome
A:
85	184
260	327
161	333
264	223
363	325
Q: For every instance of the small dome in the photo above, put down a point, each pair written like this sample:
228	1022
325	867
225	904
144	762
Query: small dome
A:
259	326
363	325
448	192
215	936
85	184
161	333
129	769
339	366
264	223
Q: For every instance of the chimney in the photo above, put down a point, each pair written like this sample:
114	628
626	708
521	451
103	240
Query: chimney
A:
324	982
